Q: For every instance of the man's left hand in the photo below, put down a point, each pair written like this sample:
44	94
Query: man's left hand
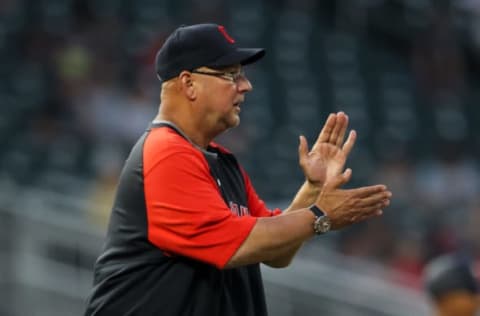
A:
328	155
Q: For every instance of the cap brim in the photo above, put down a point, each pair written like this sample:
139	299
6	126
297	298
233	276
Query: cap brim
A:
242	56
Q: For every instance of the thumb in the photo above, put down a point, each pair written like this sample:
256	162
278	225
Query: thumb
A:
340	179
302	148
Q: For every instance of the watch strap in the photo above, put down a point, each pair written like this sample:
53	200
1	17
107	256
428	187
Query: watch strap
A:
317	211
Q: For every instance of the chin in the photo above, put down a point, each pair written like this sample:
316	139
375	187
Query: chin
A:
236	123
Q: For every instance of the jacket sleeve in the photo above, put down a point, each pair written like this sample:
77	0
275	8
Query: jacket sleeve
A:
186	214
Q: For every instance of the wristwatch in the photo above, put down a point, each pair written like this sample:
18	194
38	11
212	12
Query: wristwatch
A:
322	222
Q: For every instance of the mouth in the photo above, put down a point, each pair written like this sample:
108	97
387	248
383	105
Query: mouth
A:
238	103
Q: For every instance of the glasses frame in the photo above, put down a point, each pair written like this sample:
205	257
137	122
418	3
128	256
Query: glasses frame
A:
232	76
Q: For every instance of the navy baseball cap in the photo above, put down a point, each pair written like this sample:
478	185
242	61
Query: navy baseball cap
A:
201	45
449	273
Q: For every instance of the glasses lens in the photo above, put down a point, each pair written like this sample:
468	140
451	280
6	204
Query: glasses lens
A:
239	75
234	76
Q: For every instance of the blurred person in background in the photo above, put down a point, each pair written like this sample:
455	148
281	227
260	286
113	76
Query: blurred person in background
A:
452	285
187	230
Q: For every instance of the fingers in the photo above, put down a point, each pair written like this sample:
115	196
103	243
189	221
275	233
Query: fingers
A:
334	130
367	191
327	129
380	199
365	213
347	147
338	133
302	149
370	206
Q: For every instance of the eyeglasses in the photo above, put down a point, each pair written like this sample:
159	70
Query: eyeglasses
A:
233	76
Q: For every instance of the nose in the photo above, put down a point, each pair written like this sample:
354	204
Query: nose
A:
244	85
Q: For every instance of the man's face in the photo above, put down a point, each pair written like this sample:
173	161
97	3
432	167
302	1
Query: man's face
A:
459	303
222	91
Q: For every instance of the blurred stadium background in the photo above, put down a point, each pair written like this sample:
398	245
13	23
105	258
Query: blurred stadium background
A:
77	87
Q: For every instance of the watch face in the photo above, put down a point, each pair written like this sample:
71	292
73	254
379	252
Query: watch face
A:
322	225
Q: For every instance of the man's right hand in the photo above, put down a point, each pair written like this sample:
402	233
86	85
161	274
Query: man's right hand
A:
345	207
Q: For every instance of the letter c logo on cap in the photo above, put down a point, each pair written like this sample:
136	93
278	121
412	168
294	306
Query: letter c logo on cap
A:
222	30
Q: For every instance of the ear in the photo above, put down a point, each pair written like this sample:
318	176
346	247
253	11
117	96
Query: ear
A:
187	85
